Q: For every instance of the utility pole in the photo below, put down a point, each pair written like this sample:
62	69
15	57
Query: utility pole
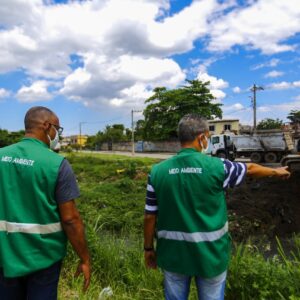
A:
254	89
132	129
80	139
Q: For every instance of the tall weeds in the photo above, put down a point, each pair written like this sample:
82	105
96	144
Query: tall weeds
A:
112	205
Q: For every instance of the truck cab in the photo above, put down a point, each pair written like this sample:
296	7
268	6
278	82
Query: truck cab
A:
222	146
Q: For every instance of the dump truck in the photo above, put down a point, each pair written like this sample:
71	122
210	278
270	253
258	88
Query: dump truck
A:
292	161
265	145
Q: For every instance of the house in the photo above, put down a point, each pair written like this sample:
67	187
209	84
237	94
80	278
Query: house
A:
75	140
224	125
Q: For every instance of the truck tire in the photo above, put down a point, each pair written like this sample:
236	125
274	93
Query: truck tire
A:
270	157
221	154
256	157
231	157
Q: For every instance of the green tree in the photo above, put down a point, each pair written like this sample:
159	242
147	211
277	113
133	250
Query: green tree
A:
4	139
8	138
139	130
270	124
97	140
166	107
294	116
114	133
128	134
91	142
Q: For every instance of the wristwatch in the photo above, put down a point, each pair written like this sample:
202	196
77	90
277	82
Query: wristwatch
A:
148	248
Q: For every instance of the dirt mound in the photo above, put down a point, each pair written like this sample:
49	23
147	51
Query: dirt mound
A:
267	206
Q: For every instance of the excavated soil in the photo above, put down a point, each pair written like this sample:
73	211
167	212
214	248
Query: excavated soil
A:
265	207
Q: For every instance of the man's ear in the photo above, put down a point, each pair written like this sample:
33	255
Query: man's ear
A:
201	137
46	126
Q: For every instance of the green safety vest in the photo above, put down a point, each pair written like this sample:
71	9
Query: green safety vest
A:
31	236
192	226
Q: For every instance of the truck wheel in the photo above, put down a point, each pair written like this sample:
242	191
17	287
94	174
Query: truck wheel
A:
256	157
221	154
270	157
231	157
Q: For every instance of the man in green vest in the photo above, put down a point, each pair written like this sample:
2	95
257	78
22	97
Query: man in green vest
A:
37	212
185	204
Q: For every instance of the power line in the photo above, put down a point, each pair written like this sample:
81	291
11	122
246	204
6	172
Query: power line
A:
98	122
254	89
132	128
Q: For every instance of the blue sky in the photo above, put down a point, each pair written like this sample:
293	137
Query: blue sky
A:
95	61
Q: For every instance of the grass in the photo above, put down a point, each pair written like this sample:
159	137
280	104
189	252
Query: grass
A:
252	276
112	206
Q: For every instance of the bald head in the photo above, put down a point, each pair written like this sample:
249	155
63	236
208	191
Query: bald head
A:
37	115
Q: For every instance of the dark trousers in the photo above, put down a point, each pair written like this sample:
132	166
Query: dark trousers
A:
40	285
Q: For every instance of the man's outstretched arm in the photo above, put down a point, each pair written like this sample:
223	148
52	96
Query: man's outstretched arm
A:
258	171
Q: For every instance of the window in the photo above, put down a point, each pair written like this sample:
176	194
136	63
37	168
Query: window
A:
215	140
227	126
211	127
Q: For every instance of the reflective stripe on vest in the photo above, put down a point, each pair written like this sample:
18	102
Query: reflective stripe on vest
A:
194	237
11	227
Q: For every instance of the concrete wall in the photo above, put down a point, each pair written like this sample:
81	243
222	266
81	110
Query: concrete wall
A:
142	146
164	146
120	146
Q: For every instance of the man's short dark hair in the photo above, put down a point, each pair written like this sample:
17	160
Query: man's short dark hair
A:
190	126
36	115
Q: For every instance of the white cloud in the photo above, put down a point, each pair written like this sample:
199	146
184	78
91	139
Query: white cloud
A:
41	38
190	23
233	108
27	12
120	50
282	108
125	55
133	96
103	80
274	74
245	114
238	111
137	92
264	108
270	64
236	90
218	94
37	91
264	25
205	64
4	93
284	85
216	85
296	83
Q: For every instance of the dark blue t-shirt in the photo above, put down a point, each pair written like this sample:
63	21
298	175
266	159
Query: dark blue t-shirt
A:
66	185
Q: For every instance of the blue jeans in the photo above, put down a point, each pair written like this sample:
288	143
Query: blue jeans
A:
177	286
40	285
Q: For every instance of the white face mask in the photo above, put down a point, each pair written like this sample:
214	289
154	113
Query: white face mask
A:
55	141
204	150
